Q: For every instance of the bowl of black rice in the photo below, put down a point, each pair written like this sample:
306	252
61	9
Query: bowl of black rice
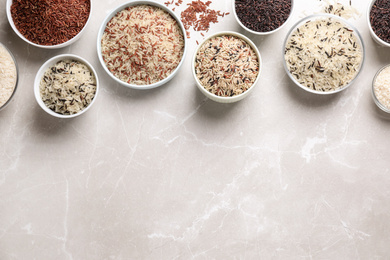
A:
262	17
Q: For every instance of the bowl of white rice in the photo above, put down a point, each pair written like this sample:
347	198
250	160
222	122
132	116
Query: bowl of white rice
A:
9	76
226	67
141	44
381	89
323	54
66	86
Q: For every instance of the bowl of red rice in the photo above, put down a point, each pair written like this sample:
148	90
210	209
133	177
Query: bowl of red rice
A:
226	67
141	44
49	24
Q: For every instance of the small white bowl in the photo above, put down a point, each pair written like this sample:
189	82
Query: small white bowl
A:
315	17
51	62
236	97
372	33
261	33
17	77
373	92
61	45
103	27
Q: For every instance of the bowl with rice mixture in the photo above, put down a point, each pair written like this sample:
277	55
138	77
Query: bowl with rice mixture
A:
226	67
9	76
141	44
323	54
66	86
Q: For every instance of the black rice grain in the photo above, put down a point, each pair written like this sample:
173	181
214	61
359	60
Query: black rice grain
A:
380	19
263	15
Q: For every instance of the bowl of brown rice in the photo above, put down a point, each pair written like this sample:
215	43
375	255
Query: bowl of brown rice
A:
141	44
226	67
66	86
9	76
49	24
323	54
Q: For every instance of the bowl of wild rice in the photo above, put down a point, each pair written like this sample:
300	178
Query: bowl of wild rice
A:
49	24
226	67
323	54
378	20
9	76
262	17
141	44
66	86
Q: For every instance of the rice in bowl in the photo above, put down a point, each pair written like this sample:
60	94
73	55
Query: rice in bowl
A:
226	65
142	45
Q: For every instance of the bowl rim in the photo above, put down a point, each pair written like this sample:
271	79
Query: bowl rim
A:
119	8
236	97
51	61
302	21
376	100
57	46
17	77
373	34
262	33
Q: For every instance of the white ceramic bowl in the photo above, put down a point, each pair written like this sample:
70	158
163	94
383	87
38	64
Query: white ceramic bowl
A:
261	33
373	34
51	62
373	92
67	43
236	97
17	77
311	18
111	15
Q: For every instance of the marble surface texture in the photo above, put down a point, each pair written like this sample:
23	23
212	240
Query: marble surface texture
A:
169	174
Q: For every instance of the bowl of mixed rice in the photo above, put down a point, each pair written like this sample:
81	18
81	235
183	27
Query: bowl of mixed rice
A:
66	86
141	44
323	54
226	67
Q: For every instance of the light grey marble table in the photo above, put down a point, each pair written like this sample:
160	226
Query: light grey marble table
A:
169	174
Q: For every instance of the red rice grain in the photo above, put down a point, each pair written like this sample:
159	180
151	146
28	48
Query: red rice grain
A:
197	15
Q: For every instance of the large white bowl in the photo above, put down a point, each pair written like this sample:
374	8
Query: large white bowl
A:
51	62
111	15
314	17
61	45
261	33
236	97
373	34
17	78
